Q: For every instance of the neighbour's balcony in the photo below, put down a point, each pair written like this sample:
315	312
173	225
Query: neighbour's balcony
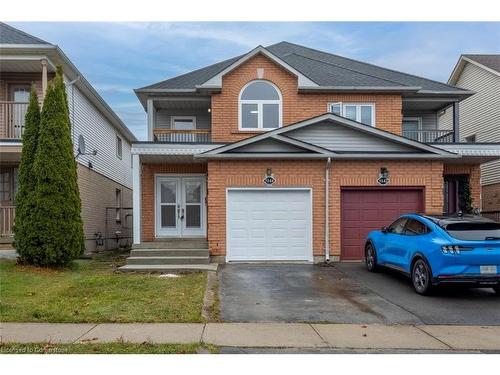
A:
429	136
7	215
174	135
12	119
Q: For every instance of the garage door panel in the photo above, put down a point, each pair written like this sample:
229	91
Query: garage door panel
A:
276	224
364	210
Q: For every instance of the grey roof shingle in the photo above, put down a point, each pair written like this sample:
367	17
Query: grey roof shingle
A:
324	68
11	35
490	61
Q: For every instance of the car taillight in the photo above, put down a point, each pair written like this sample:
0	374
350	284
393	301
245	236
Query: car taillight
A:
455	249
451	249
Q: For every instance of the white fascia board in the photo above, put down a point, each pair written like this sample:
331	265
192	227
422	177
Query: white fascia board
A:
481	66
315	156
27	46
459	67
171	148
11	143
216	81
4	57
472	149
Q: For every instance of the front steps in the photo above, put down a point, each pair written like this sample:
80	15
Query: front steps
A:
169	255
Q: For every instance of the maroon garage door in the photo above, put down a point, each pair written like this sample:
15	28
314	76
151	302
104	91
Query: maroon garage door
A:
366	209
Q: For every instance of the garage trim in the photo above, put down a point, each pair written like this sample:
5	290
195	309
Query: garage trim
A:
307	189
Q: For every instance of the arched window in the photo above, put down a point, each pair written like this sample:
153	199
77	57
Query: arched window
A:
260	106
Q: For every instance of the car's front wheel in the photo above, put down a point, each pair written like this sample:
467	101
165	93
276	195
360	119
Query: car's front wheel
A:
370	257
421	277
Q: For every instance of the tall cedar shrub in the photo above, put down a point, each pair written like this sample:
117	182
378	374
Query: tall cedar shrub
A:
57	221
25	243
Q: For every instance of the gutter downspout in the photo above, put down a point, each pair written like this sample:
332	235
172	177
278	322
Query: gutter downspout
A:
327	211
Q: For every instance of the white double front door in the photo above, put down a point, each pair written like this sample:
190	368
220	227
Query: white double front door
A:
180	206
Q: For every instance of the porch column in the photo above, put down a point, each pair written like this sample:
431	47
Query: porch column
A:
151	119
456	133
44	77
136	197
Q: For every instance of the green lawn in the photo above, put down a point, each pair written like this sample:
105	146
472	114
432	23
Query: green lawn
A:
93	291
114	348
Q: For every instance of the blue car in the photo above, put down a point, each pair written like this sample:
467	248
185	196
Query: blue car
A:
435	250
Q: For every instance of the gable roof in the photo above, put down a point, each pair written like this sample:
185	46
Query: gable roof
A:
490	63
367	142
11	35
325	70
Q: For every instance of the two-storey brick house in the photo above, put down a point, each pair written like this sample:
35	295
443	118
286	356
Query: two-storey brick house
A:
292	154
101	141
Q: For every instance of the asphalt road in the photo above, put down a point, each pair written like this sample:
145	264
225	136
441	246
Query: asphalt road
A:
344	293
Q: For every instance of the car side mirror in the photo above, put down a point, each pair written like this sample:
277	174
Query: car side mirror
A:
385	229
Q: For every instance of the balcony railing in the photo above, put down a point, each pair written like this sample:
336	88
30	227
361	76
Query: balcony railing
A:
7	215
171	135
12	119
429	136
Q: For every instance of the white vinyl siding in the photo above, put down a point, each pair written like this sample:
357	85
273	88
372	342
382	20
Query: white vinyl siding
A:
100	135
480	113
341	138
163	117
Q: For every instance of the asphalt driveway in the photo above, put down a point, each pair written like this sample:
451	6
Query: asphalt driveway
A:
447	305
344	293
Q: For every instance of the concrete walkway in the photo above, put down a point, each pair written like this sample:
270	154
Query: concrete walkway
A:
264	335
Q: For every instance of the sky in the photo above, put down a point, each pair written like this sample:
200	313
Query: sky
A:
119	57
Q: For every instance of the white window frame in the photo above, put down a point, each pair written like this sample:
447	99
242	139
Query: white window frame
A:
175	118
358	110
119	147
260	108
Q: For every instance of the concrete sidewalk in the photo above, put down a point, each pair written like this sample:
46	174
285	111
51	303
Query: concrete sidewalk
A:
263	335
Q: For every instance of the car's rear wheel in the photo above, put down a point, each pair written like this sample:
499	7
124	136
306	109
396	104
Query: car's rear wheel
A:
370	257
421	277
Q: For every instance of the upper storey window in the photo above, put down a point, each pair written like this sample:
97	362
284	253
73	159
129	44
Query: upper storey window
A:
360	112
260	106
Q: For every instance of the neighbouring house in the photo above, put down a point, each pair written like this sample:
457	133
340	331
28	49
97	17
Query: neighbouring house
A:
480	118
102	142
287	153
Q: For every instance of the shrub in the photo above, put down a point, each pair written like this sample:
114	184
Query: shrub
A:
24	240
56	221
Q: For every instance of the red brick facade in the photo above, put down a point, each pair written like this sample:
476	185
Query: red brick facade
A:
491	197
296	106
424	174
474	172
224	174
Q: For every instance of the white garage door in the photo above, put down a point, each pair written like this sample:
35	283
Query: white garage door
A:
269	224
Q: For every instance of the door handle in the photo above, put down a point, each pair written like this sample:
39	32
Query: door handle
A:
182	214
